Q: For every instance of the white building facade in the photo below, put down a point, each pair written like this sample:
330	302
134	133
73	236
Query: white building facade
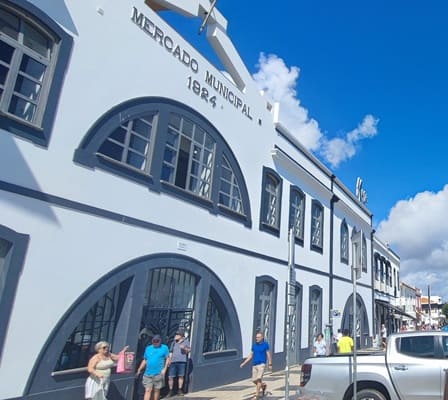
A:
143	191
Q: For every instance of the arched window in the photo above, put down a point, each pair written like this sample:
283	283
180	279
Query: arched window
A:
364	253
34	53
377	259
317	226
315	313
361	330
344	242
297	213
156	294
215	335
99	323
270	202
265	306
172	149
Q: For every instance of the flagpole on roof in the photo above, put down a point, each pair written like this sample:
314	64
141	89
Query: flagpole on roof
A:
212	6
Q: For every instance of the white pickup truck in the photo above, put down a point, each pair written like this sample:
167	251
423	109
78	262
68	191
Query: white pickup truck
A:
413	367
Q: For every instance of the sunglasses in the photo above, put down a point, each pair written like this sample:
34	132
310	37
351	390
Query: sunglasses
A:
105	347
156	341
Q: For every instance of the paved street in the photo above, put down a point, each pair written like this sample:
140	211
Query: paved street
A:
245	389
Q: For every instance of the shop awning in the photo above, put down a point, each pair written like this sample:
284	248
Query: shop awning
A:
394	309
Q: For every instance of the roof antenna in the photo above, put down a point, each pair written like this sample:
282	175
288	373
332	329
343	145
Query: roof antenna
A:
212	6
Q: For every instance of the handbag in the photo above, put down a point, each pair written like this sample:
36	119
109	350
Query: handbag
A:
125	362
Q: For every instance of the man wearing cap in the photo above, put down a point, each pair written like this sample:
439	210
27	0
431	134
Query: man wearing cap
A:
155	363
178	361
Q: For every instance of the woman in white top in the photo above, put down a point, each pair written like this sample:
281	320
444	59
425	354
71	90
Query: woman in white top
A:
320	347
99	368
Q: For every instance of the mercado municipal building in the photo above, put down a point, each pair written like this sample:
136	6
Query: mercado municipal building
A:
143	190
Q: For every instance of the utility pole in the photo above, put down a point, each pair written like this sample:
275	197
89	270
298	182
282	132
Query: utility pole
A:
429	306
291	306
357	259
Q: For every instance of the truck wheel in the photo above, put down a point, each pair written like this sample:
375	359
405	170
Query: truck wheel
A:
370	394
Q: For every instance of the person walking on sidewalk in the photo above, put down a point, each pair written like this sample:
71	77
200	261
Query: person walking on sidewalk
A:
155	364
260	356
178	362
345	343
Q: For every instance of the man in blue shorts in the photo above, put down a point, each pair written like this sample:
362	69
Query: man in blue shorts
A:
178	362
260	356
155	363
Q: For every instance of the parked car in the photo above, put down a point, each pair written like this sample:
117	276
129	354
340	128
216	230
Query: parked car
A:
413	367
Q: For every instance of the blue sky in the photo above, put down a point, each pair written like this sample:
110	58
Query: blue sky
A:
364	85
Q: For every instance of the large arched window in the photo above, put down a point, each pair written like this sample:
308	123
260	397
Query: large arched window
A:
34	53
172	149
157	294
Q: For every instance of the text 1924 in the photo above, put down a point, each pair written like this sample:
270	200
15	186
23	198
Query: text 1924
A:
201	91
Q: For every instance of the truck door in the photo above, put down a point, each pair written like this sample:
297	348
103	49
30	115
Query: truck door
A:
415	370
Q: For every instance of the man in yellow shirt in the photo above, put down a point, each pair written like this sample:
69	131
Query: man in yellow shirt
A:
345	343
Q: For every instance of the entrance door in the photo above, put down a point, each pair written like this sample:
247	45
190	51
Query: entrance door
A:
168	307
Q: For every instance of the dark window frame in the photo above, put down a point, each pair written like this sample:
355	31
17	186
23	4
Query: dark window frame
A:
317	205
40	134
344	237
270	174
312	334
294	190
259	282
16	259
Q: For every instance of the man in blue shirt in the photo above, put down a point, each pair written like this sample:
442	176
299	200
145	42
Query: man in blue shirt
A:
155	363
260	356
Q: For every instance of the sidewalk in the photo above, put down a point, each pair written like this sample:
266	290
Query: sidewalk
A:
245	389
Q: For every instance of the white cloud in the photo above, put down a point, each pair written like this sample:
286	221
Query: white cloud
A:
279	83
416	229
337	150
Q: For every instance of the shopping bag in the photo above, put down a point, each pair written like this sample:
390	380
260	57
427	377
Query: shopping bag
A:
125	362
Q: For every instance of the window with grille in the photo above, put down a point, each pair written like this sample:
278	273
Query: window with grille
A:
317	222
34	53
214	335
98	324
364	254
270	202
315	313
265	304
297	213
344	242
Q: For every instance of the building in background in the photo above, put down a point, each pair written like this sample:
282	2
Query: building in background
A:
410	304
432	311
